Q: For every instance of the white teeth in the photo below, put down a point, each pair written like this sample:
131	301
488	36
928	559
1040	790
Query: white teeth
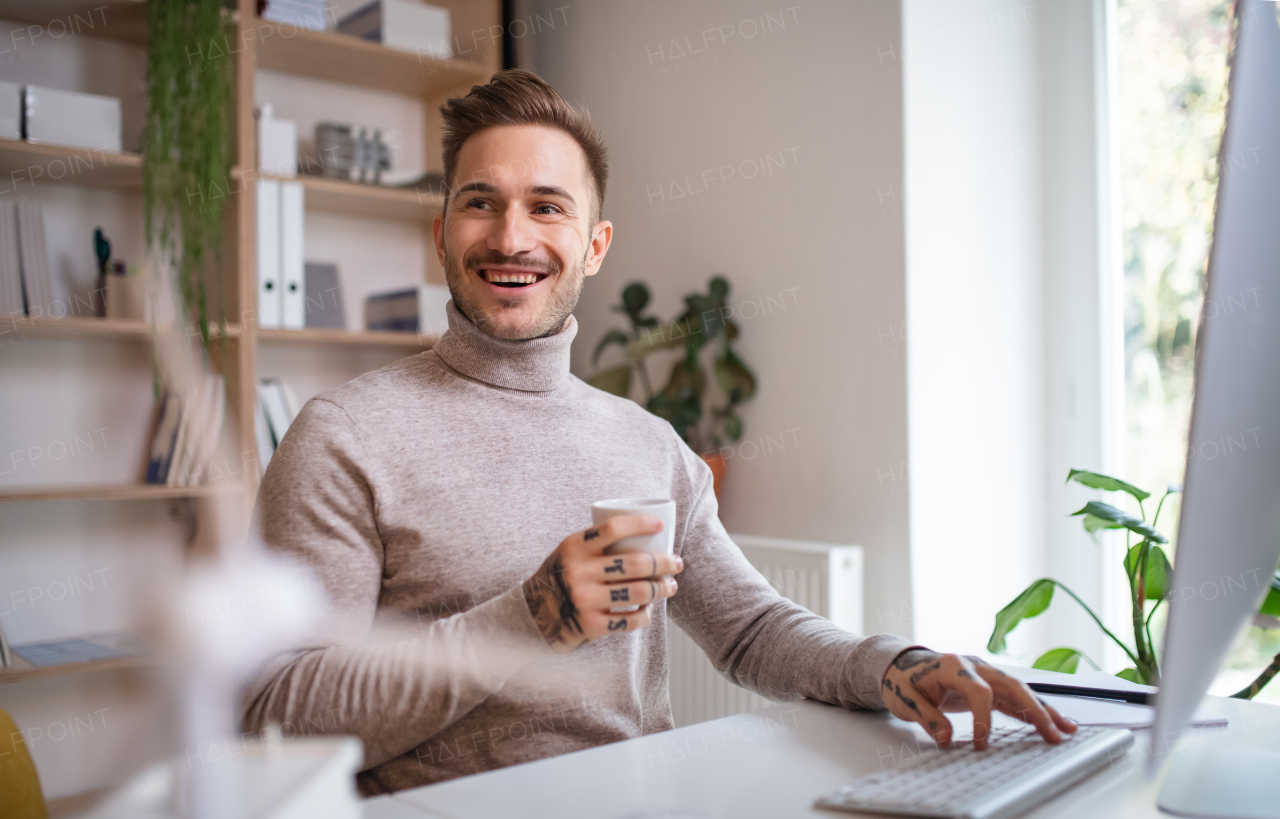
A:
497	277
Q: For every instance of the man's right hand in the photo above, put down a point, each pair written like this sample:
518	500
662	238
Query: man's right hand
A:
571	595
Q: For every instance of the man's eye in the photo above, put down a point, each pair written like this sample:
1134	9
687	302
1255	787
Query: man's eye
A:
546	208
477	203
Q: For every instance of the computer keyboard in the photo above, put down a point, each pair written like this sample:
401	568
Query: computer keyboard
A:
1018	771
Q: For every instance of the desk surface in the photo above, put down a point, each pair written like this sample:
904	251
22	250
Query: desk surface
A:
770	763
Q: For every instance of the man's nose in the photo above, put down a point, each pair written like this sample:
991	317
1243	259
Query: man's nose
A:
513	234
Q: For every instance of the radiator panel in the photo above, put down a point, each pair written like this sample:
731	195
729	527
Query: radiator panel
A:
826	579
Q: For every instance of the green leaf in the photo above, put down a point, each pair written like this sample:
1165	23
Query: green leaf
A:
1132	675
615	380
1063	660
733	427
1271	605
1108	512
1093	524
1158	572
663	337
1096	480
635	297
611	337
738	382
1031	603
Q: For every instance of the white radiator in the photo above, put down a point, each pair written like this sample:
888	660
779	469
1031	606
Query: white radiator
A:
825	579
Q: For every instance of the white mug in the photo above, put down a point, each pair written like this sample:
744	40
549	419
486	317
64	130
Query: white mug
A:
665	510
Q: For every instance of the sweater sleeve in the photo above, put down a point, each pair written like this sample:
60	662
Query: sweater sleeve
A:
754	636
317	505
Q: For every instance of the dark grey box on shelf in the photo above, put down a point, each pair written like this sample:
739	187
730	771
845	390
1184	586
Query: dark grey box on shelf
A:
324	296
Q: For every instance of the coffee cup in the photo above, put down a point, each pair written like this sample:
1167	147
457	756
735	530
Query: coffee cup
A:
663	509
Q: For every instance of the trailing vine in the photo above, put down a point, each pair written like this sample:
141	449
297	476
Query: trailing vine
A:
186	144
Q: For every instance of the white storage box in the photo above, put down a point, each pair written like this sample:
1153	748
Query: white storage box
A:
70	118
405	24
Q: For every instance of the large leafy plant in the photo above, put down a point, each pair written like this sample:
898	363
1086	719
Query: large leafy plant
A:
685	399
186	144
1149	572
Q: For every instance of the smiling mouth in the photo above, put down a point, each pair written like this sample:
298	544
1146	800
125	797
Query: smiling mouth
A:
511	278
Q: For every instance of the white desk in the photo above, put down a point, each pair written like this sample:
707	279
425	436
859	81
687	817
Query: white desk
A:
770	763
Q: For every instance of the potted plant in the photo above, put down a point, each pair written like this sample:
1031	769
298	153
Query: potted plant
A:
704	421
1148	570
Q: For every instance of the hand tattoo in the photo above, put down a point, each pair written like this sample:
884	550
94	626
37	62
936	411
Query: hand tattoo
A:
616	625
616	567
911	658
917	676
551	603
591	534
619	594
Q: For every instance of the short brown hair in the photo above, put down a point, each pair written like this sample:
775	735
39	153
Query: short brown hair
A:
517	97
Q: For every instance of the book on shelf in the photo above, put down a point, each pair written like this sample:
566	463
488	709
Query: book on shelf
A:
87	649
71	118
281	224
309	14
404	24
418	309
277	408
187	431
11	305
324	296
33	260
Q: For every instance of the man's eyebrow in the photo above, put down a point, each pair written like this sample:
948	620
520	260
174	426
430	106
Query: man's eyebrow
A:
552	190
482	187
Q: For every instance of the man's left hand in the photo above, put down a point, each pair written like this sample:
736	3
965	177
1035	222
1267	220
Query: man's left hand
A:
920	685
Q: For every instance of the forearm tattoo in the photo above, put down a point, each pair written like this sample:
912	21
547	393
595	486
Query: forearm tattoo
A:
551	603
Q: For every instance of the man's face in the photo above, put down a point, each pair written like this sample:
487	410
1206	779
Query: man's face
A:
516	238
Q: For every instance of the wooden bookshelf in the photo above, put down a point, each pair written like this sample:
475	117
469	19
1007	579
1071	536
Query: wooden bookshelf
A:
352	338
113	492
326	55
362	200
23	164
124	20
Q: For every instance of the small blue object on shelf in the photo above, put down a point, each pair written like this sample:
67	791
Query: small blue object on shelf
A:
75	650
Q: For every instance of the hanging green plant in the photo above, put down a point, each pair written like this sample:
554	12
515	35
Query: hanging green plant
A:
187	145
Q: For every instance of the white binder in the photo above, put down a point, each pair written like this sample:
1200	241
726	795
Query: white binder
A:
269	302
293	313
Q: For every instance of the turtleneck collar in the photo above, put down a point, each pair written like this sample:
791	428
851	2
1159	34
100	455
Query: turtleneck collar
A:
536	365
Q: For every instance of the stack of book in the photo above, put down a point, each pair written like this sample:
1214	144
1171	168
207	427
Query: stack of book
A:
277	407
25	285
405	24
186	434
418	309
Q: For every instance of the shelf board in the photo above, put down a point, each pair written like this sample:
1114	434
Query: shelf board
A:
114	19
352	338
326	55
356	199
76	327
23	670
124	491
25	163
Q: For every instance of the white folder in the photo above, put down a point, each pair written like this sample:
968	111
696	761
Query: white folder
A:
269	302
293	313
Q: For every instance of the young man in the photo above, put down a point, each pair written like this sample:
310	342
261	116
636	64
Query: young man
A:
455	487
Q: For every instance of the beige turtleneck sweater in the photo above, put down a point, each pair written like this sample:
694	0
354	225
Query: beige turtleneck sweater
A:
431	489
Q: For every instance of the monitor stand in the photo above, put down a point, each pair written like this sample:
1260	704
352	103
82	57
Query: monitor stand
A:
1226	777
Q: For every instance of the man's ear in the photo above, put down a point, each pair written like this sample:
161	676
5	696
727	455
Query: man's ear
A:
437	233
601	238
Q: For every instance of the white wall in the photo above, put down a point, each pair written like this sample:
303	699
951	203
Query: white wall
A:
1004	188
680	89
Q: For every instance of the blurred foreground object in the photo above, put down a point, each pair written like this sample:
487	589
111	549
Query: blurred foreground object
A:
20	795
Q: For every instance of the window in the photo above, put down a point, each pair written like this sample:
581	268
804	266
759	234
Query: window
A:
1171	56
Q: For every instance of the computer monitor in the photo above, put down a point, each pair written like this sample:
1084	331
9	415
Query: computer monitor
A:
1229	532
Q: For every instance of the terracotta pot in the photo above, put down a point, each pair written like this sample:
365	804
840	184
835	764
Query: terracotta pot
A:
717	463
